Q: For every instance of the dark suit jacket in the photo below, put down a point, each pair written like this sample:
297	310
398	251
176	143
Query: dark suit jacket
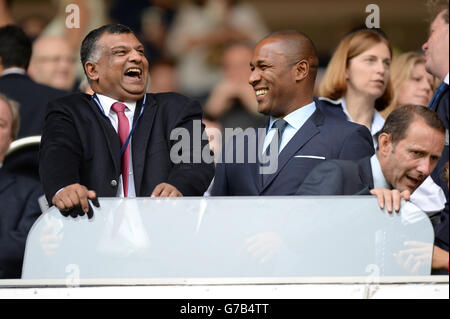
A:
441	230
79	145
19	209
321	136
33	99
339	177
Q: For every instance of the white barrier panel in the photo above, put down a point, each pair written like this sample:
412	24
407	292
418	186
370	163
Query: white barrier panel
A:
231	237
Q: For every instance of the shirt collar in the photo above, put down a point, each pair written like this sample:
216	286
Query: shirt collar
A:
107	102
446	79
379	181
297	118
13	71
377	121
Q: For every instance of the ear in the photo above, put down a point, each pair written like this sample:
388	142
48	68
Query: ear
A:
91	70
347	68
384	144
301	70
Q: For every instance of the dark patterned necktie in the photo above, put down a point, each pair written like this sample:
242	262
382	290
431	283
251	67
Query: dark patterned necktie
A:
280	126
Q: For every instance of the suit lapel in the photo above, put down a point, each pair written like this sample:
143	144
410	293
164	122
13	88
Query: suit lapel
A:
255	167
141	138
303	135
112	138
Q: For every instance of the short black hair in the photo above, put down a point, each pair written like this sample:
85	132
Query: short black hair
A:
301	46
398	122
15	47
89	44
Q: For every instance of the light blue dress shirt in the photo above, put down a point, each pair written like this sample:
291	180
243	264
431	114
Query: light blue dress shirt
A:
295	121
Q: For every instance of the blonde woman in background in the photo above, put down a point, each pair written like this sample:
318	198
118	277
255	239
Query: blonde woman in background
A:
356	84
412	84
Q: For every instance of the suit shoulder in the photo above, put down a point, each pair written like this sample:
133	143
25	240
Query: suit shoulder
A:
333	122
172	100
71	100
50	91
334	114
336	165
22	184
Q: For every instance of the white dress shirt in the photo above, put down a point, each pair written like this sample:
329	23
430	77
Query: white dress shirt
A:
295	121
106	103
378	177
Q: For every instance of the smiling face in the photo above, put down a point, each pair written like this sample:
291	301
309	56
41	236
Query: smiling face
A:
368	72
122	69
411	160
418	89
436	48
272	78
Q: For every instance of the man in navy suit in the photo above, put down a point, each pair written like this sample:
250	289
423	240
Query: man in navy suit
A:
15	54
82	155
409	147
19	206
436	51
32	97
299	135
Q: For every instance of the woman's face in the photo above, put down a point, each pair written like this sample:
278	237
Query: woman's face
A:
368	73
418	89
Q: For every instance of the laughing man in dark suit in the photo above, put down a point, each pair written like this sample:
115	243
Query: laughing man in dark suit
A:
284	67
80	154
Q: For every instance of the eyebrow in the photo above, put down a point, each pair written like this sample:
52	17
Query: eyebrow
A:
140	46
119	47
258	62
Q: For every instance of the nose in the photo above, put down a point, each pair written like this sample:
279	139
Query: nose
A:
382	67
136	56
425	46
425	167
254	77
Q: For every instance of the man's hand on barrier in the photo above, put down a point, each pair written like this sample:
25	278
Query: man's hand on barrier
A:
166	190
390	199
73	200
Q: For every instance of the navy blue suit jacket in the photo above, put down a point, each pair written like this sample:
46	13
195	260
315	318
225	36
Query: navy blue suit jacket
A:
320	136
339	177
33	99
441	230
19	209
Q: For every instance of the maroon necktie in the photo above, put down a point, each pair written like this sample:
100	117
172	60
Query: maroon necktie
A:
124	131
